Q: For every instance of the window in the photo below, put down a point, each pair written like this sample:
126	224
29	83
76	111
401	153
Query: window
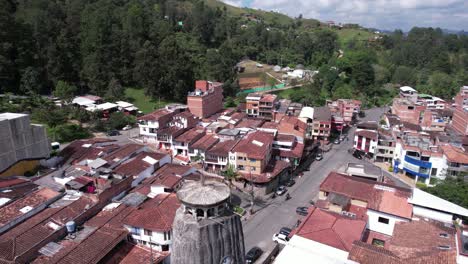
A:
383	220
444	235
135	231
378	242
148	232
252	168
253	160
240	167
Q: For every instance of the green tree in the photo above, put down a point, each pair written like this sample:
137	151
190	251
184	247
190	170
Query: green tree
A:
404	76
64	91
115	90
441	85
30	81
118	120
452	190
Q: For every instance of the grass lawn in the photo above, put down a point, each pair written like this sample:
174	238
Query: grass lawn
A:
145	103
286	94
347	34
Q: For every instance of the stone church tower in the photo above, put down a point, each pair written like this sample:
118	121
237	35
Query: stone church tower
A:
205	229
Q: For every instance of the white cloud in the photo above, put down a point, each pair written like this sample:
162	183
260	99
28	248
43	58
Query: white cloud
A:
384	14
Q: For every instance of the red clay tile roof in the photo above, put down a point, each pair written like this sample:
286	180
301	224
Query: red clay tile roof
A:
296	152
268	98
368	134
171	131
379	196
255	145
93	153
128	253
156	115
26	235
250	123
190	136
285	138
273	169
137	165
296	122
455	154
171	168
414	242
75	149
270	125
222	148
167	180
13	210
156	214
331	229
11	182
204	143
122	153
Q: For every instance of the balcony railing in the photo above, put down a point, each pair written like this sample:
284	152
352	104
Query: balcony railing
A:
420	163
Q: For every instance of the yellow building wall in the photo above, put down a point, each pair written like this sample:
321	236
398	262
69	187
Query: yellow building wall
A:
20	168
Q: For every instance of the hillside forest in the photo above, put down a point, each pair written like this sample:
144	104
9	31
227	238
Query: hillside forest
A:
163	46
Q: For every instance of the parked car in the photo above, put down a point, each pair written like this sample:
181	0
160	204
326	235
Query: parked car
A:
302	210
281	190
285	231
336	141
280	239
113	133
343	137
319	156
357	155
127	127
253	254
290	183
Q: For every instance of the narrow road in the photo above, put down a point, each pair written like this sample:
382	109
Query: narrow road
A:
259	229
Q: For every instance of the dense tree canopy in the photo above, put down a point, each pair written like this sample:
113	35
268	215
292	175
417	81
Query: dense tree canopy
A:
101	46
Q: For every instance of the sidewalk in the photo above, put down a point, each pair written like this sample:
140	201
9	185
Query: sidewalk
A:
384	166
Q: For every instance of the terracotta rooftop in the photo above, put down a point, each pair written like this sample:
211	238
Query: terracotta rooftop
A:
379	196
268	98
331	229
294	121
222	148
93	153
128	253
172	131
285	138
190	136
270	125
204	143
171	168
167	180
123	152
415	242
29	233
5	183
17	191
156	214
156	115
23	205
455	154
410	126
78	148
255	145
272	170
295	152
250	123
139	163
368	134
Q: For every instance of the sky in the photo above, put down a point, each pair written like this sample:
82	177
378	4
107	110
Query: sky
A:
381	14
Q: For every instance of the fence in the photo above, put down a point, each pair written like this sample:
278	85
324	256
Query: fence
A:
262	88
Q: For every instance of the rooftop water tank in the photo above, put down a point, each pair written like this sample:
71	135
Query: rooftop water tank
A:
71	227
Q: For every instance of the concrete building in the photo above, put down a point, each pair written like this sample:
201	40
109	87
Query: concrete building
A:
345	108
366	141
419	157
408	93
261	105
407	110
205	229
206	100
20	140
385	148
460	115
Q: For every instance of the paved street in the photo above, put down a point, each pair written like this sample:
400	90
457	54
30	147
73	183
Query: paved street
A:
260	228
